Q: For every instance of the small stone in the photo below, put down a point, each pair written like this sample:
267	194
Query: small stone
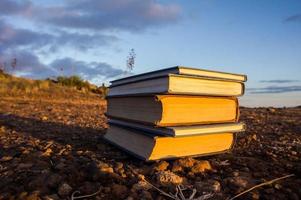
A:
64	190
105	169
25	151
209	186
52	197
6	158
236	173
277	186
167	178
176	168
2	129
161	166
185	162
44	118
119	191
294	153
141	177
141	185
238	183
201	166
47	153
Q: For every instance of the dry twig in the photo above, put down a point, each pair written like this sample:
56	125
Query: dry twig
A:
84	196
261	184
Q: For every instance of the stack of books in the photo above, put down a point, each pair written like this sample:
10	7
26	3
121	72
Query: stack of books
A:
175	112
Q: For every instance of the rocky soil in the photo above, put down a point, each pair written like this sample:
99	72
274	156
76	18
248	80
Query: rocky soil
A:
53	148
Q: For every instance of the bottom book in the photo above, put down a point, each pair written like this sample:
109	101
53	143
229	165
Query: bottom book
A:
151	147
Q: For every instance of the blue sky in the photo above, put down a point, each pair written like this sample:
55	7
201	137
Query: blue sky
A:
93	38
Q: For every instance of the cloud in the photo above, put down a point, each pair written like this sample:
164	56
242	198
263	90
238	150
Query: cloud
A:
80	25
274	89
30	66
27	64
11	37
293	18
9	7
129	15
87	70
279	81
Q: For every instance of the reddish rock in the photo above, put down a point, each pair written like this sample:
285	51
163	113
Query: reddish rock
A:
161	166
201	167
167	178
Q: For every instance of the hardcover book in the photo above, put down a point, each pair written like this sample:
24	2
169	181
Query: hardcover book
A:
149	147
179	84
178	131
182	71
174	110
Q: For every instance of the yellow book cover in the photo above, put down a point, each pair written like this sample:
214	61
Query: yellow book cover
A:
149	147
174	110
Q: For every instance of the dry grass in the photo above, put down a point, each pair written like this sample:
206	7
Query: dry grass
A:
11	86
14	85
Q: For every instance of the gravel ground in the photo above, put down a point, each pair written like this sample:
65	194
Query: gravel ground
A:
53	148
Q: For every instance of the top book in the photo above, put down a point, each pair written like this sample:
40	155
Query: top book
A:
180	70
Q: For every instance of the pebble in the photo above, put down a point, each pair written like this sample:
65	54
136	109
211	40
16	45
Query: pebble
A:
6	158
161	166
167	178
185	162
201	167
238	183
47	153
141	185
44	118
52	197
64	190
105	169
176	168
208	186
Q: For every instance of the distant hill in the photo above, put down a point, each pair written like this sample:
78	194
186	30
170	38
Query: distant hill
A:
66	87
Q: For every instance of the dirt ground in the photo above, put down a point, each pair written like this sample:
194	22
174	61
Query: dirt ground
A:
51	148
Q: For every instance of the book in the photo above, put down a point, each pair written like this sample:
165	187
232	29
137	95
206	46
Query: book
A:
178	131
149	147
179	84
184	71
174	110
